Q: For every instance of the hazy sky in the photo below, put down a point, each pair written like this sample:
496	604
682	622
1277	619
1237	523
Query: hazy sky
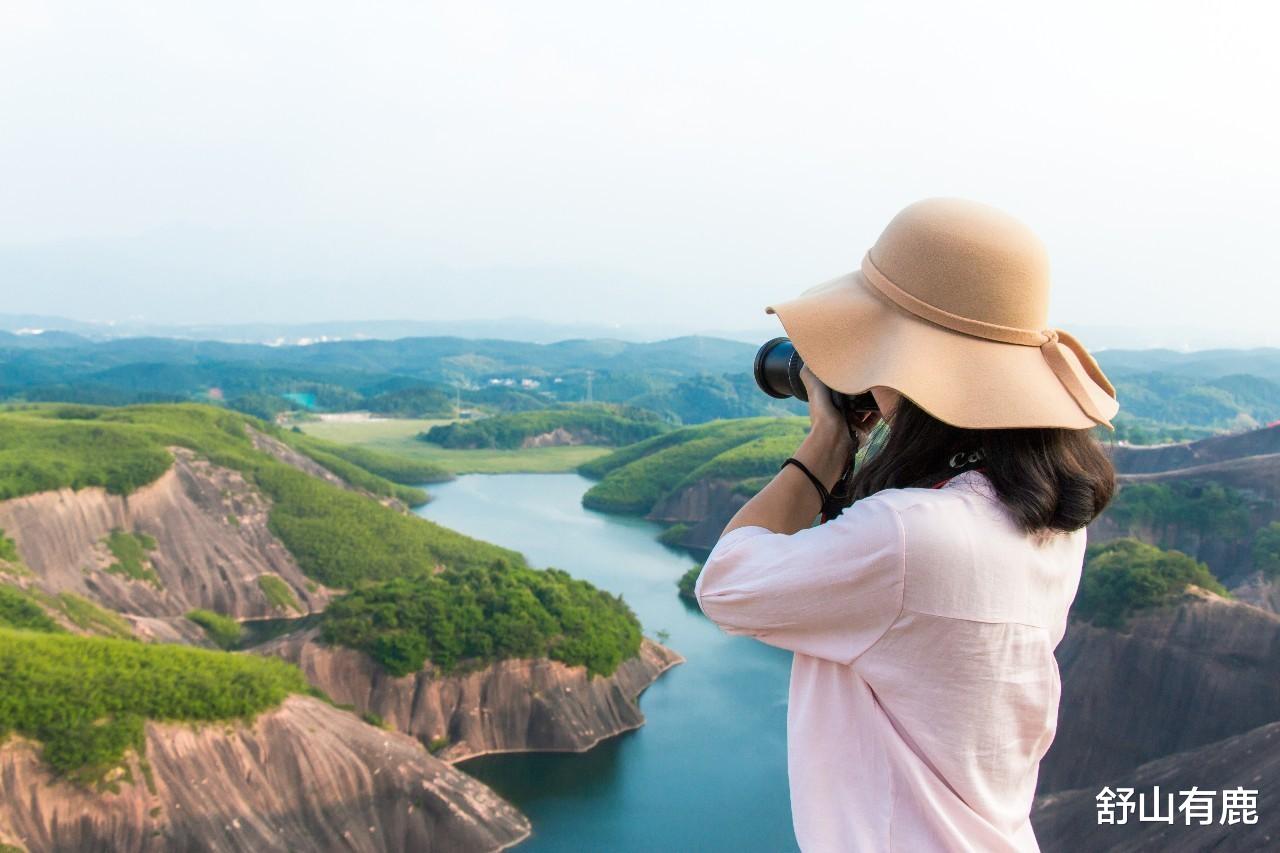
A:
610	162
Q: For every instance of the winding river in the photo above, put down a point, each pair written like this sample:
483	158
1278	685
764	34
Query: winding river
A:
707	771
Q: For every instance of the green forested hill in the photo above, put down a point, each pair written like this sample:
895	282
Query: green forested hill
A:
1169	406
341	538
418	591
603	424
688	380
1164	394
633	479
1207	364
120	449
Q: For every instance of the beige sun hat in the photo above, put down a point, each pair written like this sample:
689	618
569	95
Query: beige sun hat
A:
950	309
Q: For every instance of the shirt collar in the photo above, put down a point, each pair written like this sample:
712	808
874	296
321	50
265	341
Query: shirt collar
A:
972	480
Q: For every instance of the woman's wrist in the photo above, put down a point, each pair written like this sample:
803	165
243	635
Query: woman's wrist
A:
825	452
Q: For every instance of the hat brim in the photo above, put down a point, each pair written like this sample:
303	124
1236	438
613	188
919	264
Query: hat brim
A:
853	338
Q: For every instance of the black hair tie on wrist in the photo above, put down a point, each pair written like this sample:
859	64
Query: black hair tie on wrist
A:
823	494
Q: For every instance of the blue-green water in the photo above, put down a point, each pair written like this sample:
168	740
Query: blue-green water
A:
303	398
707	771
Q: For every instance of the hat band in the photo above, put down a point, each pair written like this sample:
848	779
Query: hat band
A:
954	322
1049	340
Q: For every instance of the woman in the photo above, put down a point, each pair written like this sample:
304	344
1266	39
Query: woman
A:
923	618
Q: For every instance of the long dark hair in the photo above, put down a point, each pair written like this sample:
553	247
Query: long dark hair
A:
1049	478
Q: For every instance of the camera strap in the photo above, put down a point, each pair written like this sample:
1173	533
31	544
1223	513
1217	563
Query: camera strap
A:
838	498
964	460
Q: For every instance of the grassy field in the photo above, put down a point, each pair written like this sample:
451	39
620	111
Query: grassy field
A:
399	437
367	432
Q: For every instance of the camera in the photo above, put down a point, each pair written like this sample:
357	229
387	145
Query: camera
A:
777	370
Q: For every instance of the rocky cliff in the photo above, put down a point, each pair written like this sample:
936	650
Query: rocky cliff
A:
1218	448
212	545
704	507
1248	462
1230	558
305	776
1257	590
509	706
1068	821
563	437
304	463
1176	678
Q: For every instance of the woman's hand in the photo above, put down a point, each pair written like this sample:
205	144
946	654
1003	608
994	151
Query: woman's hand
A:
824	417
789	502
823	414
827	449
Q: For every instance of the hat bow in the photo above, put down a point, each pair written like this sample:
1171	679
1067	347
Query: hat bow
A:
1050	341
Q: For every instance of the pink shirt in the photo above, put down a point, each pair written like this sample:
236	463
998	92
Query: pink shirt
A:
924	690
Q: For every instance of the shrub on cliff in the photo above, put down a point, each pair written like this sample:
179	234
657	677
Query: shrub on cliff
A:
131	551
606	425
1125	575
278	593
87	699
44	454
1266	550
222	630
481	614
674	535
84	614
687	582
18	609
9	551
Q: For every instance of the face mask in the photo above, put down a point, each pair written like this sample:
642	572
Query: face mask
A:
875	442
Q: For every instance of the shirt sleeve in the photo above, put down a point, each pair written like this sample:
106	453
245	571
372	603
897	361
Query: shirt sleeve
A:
829	591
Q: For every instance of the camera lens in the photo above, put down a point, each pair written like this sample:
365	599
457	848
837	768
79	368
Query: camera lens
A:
777	371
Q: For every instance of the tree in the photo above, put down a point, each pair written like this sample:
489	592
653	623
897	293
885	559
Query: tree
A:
1266	550
1126	575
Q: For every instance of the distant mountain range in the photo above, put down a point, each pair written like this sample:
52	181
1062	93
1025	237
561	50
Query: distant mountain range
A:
1164	394
1097	337
302	334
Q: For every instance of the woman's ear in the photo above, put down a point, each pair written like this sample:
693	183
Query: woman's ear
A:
886	401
